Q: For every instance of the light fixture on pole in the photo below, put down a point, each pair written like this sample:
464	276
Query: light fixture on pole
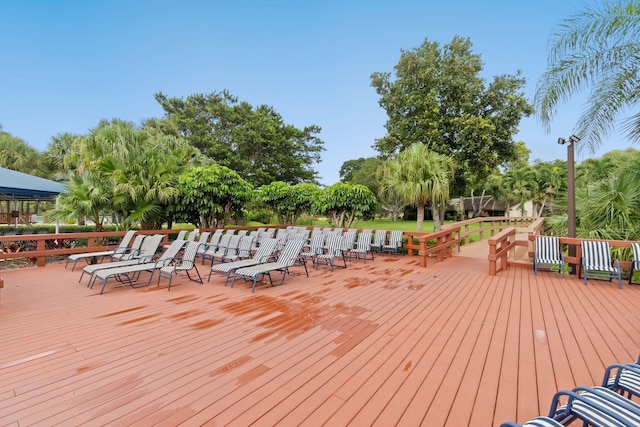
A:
571	189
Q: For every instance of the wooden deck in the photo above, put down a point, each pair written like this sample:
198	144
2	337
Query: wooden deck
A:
382	343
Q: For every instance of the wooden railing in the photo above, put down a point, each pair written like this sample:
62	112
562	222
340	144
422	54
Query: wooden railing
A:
489	226
438	244
499	247
38	247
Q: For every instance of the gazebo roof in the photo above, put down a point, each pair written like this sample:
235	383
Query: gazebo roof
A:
21	186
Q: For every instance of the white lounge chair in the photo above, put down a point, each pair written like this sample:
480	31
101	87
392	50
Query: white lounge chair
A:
147	253
332	250
186	264
265	252
287	258
122	247
395	242
129	274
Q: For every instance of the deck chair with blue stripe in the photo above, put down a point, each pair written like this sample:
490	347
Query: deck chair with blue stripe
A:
623	378
597	263
597	406
288	258
548	253
536	422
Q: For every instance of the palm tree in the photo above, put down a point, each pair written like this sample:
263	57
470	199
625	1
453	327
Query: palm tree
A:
520	185
550	180
419	176
596	48
83	198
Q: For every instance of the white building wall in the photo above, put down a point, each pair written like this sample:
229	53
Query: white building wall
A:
528	209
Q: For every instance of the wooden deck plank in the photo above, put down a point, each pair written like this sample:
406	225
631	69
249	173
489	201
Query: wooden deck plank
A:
382	343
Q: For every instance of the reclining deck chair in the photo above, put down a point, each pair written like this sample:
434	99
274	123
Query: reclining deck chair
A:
211	245
265	252
548	253
595	406
218	245
379	240
635	265
395	243
287	258
597	263
623	378
230	248
315	246
181	236
363	246
186	264
129	274
241	251
332	251
122	247
131	251
147	253
536	422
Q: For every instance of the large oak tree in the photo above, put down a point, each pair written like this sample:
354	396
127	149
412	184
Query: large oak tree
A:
254	142
438	97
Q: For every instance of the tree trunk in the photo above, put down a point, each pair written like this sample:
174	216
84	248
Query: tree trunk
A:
544	200
435	213
420	218
473	204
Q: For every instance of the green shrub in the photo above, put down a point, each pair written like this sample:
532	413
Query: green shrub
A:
259	215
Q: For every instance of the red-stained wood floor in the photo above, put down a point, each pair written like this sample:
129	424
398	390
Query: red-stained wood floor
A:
382	343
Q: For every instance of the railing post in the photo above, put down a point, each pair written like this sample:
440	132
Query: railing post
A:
422	252
41	261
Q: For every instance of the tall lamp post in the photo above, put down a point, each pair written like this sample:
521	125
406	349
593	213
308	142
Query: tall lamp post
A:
571	190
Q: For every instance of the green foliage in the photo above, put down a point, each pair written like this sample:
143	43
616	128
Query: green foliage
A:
208	195
255	142
366	174
596	49
344	202
262	216
123	171
418	176
15	154
607	198
349	167
288	202
437	97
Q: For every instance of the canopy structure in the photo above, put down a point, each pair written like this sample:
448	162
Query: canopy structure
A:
21	186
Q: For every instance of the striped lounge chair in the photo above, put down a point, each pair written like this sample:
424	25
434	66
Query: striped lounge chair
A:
597	262
288	258
548	253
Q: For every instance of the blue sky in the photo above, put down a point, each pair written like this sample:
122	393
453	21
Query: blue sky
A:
65	65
